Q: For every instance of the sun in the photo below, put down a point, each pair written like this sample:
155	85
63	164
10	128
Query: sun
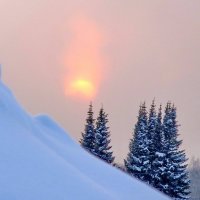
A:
84	60
82	87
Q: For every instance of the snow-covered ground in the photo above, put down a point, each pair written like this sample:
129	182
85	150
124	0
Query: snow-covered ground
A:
39	161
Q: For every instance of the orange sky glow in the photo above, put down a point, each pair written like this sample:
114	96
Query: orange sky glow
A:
84	59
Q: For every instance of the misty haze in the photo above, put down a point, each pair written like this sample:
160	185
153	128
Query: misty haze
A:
76	75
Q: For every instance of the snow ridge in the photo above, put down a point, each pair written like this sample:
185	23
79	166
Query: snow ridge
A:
39	160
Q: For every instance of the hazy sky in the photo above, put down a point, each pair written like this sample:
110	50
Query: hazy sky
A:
131	50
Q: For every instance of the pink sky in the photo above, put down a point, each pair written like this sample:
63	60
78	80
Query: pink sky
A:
150	49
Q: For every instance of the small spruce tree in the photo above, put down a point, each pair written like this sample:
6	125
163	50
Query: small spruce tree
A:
102	142
88	136
194	171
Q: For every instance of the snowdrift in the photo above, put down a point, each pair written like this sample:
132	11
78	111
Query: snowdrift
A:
39	161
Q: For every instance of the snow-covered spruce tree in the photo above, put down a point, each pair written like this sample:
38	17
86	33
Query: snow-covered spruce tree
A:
102	142
160	155
151	131
88	136
175	181
137	162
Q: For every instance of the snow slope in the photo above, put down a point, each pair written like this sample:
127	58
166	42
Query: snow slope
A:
39	161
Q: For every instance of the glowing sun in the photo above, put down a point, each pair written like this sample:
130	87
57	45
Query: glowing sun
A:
84	58
81	87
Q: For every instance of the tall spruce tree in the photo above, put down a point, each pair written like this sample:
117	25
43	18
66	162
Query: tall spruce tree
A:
159	139
175	182
137	162
102	141
158	164
152	125
88	136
